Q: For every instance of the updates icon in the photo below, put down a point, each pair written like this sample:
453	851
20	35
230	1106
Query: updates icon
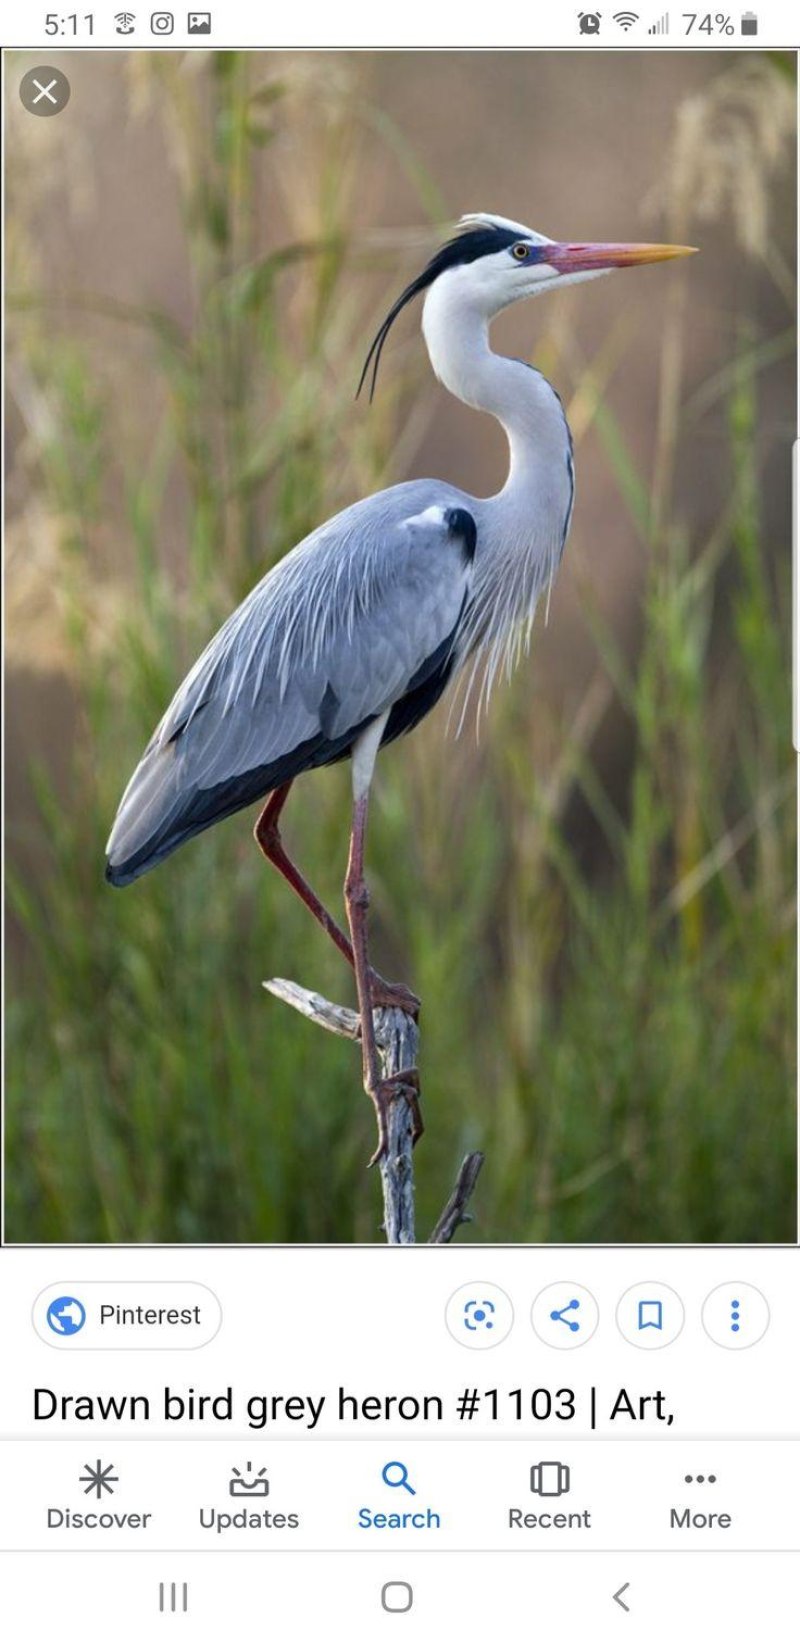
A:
249	1483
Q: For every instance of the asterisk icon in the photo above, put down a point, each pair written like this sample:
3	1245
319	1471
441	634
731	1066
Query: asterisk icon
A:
99	1479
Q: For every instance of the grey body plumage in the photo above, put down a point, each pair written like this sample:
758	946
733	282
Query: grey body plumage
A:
381	607
359	617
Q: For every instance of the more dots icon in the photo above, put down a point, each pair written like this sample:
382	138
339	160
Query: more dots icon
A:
735	1315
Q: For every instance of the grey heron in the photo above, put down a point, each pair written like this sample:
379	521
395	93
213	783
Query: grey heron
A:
350	640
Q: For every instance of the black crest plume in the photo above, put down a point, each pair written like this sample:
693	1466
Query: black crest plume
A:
467	246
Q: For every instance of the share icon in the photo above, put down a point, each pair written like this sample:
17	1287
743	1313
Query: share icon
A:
565	1315
571	1323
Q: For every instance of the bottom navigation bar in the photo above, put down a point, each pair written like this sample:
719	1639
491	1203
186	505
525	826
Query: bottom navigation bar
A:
326	1594
437	1495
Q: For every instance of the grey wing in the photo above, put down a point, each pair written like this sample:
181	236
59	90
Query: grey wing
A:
360	619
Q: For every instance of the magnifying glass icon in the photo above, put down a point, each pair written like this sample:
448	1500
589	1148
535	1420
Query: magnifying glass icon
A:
395	1474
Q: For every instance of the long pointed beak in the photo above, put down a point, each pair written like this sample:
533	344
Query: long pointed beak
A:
574	259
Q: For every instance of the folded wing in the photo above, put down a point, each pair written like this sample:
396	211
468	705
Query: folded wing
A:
361	618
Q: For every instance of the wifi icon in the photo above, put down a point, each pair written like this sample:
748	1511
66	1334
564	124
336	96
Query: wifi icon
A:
626	19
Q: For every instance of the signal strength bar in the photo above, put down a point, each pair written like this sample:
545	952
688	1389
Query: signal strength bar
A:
662	26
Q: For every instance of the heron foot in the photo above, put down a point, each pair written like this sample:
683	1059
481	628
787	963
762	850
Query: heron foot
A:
392	995
406	1084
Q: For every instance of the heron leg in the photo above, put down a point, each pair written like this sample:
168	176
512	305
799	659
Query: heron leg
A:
381	1091
386	994
268	838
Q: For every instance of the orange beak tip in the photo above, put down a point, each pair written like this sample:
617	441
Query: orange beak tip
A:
638	255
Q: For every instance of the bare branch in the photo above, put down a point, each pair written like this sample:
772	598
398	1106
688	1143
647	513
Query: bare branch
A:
397	1038
454	1213
334	1017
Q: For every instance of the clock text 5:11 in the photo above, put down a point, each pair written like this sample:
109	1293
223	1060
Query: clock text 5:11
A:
73	24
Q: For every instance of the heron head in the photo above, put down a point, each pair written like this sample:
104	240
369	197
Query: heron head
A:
493	262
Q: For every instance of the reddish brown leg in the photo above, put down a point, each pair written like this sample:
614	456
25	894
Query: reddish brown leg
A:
268	838
380	1090
385	994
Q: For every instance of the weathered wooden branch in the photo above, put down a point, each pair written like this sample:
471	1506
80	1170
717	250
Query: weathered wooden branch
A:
397	1037
454	1214
334	1017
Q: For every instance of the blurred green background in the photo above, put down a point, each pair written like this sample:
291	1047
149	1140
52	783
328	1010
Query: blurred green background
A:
596	897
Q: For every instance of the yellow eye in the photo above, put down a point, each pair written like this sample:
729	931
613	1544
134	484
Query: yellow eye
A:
519	251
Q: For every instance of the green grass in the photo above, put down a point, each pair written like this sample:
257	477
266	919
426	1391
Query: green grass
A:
612	1025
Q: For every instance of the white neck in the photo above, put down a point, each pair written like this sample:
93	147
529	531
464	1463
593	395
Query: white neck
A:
521	530
456	331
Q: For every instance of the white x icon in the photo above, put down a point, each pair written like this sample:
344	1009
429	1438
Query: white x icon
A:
45	91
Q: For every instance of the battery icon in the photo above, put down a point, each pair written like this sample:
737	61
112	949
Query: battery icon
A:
749	22
550	1477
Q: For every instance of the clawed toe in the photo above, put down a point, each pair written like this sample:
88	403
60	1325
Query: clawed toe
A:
404	1084
392	995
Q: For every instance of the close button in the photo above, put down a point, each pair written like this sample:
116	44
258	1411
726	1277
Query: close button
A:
44	91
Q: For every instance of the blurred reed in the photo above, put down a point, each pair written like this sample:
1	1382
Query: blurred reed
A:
628	1068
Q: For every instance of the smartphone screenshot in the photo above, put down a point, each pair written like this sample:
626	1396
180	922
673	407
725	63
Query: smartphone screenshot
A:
400	1117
